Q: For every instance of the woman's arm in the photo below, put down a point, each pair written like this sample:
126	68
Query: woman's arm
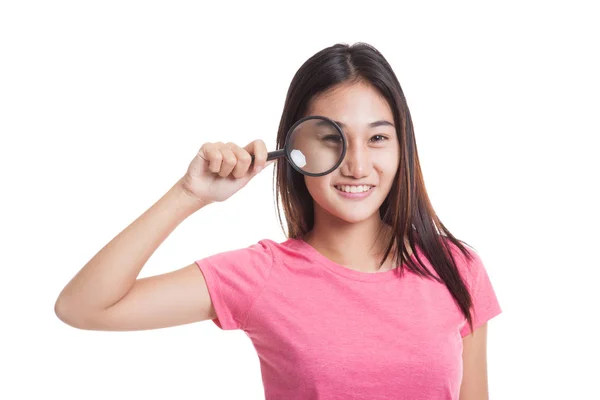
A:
474	382
106	294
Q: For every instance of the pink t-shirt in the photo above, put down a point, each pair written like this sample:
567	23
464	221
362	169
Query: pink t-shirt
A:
325	331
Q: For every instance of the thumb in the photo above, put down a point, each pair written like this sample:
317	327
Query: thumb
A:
268	163
258	169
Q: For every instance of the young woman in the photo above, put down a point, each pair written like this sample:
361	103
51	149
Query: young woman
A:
369	297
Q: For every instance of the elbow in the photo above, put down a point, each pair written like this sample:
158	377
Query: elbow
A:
64	312
69	313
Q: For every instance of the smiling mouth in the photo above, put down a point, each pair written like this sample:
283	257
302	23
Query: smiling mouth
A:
354	188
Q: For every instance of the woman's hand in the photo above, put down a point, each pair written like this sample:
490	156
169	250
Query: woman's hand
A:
221	169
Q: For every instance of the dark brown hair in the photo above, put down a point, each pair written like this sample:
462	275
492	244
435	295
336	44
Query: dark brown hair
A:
407	208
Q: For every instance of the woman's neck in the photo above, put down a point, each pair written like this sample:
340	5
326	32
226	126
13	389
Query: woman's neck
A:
359	246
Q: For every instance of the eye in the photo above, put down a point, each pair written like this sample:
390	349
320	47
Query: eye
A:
332	138
379	138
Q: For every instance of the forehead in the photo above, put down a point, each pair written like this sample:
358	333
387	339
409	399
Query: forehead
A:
355	104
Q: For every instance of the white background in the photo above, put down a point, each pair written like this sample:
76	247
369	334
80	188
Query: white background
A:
103	105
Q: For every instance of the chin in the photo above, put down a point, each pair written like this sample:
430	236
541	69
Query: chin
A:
354	214
355	218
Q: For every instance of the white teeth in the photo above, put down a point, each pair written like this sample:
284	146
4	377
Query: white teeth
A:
353	189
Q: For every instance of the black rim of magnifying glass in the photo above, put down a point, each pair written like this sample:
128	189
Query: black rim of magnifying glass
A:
287	150
284	153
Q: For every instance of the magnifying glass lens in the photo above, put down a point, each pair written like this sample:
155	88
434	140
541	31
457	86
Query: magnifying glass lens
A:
315	146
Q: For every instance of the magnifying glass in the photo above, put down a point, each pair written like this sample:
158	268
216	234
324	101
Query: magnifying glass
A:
314	146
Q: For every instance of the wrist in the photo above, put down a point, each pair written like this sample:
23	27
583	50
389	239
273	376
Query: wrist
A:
186	200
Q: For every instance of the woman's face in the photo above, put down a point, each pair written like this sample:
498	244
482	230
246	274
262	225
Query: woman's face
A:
357	188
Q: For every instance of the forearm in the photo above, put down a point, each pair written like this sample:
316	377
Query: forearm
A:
111	273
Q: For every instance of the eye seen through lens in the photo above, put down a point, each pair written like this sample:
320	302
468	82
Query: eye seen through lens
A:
315	146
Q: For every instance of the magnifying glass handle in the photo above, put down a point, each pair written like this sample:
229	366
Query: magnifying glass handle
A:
272	155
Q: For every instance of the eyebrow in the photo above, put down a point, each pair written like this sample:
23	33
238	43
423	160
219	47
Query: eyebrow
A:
371	125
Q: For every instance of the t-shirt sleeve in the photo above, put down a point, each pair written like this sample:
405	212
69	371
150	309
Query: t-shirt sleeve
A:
485	302
235	279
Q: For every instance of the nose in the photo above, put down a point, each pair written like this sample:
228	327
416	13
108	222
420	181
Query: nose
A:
357	162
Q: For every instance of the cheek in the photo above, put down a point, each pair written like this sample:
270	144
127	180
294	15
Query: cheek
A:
316	185
386	166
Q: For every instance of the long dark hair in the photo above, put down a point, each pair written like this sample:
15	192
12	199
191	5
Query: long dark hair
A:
407	208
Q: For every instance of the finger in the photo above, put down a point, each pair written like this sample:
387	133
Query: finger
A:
259	149
229	161
243	160
211	153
